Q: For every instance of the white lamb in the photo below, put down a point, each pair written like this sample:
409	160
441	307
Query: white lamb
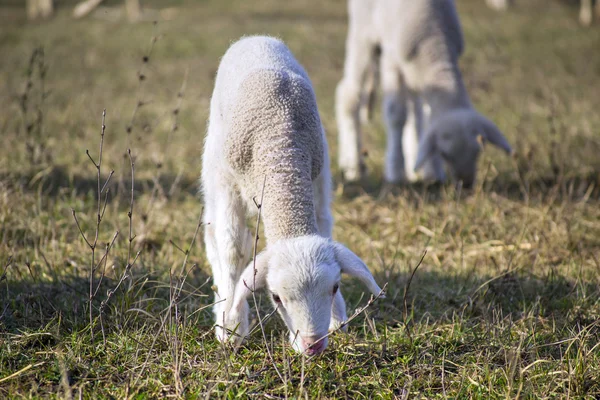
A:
586	9
428	115
265	129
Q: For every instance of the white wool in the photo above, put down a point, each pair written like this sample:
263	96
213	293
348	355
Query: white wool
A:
265	130
420	43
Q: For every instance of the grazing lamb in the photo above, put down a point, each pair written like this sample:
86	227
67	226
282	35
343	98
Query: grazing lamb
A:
265	131
586	9
428	115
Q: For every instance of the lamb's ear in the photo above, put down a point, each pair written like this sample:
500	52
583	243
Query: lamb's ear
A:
426	149
253	278
354	266
492	134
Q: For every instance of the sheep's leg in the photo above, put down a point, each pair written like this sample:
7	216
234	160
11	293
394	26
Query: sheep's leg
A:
394	114
413	127
499	4
228	247
349	93
433	168
585	12
367	102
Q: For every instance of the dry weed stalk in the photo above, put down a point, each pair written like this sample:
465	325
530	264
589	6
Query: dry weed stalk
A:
130	263
141	81
254	254
2	278
101	208
405	296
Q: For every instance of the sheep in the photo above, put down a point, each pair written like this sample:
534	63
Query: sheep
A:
265	137
428	115
586	9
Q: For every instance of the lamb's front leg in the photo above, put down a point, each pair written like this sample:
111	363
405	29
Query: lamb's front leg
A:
228	248
349	94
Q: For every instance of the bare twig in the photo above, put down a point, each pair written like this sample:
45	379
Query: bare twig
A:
255	251
100	209
131	237
141	80
405	296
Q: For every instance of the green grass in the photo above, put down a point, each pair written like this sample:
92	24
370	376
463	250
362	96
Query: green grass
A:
505	304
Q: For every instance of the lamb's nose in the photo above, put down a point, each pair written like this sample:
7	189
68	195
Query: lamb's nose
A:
312	346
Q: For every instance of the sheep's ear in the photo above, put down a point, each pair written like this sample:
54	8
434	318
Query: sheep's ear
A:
253	278
492	134
354	266
426	149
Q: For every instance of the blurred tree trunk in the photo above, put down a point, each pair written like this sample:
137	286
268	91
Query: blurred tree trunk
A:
133	9
39	9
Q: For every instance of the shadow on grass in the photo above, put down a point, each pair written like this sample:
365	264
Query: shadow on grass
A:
31	304
584	186
56	180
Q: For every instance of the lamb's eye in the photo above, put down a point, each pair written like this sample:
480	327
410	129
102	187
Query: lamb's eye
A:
335	288
276	299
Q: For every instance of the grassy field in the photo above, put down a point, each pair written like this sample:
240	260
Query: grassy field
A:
505	304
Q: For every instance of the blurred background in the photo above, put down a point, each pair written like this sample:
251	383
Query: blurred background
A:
515	258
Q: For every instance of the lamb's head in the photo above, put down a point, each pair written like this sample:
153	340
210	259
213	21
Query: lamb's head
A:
458	137
302	276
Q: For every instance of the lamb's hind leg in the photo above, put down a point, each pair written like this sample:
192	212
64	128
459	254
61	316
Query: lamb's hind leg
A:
228	247
395	116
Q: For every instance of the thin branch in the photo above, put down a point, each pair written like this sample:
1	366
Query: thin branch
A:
107	180
255	250
405	296
80	230
105	259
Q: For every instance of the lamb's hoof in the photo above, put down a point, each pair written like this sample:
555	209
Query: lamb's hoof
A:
231	337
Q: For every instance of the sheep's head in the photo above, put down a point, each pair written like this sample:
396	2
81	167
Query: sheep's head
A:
302	276
458	137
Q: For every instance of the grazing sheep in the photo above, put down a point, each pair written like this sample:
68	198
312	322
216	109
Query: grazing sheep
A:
586	9
428	114
265	132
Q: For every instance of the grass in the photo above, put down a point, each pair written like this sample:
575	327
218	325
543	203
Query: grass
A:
505	304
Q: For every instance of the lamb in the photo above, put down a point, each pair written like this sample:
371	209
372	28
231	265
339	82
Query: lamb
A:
586	9
265	133
428	115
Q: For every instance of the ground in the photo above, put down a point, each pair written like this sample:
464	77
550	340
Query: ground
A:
505	303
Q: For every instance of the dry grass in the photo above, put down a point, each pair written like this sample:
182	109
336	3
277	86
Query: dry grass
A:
505	303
